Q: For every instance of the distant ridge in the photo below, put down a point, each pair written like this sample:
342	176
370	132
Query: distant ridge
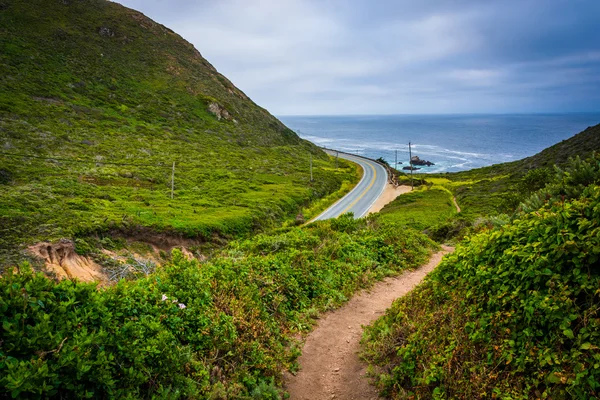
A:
582	144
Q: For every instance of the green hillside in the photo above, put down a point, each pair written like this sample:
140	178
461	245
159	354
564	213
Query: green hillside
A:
500	187
513	313
96	104
485	195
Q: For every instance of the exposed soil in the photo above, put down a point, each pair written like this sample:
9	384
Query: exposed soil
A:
61	260
456	204
389	194
329	365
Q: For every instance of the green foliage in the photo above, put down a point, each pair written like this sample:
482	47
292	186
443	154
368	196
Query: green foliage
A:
513	313
220	329
420	209
567	183
382	160
96	103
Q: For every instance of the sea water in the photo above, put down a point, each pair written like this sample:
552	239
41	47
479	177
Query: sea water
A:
451	142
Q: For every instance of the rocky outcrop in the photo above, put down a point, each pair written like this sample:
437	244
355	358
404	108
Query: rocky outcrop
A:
415	160
62	260
219	111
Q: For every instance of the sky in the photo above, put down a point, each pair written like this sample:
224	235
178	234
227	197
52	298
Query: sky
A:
344	57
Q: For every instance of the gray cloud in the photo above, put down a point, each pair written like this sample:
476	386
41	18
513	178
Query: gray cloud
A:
348	57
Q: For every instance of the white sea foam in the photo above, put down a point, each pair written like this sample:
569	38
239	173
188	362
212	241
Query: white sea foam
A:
452	143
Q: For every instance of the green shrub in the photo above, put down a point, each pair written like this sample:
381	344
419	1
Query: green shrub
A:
220	329
513	313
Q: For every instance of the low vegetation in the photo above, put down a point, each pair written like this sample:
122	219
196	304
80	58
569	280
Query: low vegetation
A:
513	313
220	329
421	209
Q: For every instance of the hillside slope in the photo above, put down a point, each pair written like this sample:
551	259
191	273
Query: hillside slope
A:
513	313
98	102
500	187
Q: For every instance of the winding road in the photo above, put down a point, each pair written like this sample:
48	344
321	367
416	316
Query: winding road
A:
360	199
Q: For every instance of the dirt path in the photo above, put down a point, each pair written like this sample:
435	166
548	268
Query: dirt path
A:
329	365
456	204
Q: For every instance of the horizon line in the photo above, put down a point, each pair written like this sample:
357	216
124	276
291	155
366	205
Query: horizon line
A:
439	114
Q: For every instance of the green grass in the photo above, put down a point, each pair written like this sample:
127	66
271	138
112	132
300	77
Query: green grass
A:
98	101
420	209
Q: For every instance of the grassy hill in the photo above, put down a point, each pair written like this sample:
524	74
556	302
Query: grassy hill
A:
513	313
500	187
97	102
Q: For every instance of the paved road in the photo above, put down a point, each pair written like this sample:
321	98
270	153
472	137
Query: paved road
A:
361	198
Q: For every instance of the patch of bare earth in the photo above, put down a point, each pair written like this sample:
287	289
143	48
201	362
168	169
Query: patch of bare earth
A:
62	260
389	194
456	204
329	365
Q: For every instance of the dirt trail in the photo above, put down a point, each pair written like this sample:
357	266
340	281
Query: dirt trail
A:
456	204
329	365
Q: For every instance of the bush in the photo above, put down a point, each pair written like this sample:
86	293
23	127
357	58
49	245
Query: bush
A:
513	313
221	329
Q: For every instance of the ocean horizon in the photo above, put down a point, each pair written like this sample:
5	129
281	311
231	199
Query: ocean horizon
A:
453	142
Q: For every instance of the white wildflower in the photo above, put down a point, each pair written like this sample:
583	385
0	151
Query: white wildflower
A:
181	305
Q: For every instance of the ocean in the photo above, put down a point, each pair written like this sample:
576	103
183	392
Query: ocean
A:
452	142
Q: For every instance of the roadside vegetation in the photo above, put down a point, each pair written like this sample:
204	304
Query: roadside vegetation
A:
421	209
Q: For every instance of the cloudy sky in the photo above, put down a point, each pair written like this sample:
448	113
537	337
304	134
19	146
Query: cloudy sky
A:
323	57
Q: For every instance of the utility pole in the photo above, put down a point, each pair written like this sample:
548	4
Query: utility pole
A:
172	180
311	174
337	154
396	160
411	166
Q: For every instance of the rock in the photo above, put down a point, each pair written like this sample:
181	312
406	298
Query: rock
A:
106	32
415	160
219	111
300	218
